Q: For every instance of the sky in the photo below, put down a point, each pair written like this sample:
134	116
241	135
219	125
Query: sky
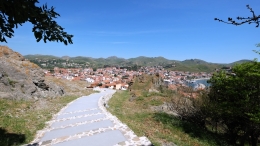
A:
174	29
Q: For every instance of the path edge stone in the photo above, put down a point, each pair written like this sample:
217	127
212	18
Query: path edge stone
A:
132	138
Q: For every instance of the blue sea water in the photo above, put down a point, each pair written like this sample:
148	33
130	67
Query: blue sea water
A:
194	83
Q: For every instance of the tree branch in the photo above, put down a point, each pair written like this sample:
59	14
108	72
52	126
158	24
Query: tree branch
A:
243	20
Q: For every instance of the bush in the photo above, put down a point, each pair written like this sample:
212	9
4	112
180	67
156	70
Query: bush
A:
234	103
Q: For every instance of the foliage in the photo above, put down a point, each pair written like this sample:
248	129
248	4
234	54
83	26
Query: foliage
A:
160	128
243	20
11	82
17	12
234	103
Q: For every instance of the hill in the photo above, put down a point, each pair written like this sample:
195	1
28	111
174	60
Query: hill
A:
193	65
239	62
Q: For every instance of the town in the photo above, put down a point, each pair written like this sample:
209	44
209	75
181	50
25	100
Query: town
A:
119	79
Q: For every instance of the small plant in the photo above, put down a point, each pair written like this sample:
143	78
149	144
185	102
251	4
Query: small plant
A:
155	102
140	98
11	82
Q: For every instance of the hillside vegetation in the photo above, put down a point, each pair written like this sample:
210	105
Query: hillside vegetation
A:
150	114
192	65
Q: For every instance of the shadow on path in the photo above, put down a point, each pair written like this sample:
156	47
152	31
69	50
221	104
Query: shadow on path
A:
10	139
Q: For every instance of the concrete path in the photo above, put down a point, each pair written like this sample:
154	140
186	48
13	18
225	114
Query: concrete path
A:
86	122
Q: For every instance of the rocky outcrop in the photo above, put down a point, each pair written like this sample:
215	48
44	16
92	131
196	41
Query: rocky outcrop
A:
22	79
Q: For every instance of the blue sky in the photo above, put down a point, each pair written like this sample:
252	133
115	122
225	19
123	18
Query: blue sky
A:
174	29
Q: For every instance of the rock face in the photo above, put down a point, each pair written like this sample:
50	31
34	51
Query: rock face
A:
22	79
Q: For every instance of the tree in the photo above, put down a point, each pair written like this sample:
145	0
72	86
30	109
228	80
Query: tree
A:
243	20
235	97
234	101
17	12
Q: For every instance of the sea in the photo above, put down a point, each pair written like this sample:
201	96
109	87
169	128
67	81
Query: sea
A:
194	83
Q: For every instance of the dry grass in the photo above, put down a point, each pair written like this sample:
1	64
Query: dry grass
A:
77	88
28	64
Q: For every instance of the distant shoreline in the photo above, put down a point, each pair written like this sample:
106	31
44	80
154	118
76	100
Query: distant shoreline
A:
198	79
201	79
195	82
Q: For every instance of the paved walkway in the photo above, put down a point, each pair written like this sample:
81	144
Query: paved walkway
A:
86	122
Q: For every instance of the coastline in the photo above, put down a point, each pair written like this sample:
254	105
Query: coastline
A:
195	82
198	79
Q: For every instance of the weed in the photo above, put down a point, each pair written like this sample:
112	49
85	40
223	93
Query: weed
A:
140	98
11	82
155	102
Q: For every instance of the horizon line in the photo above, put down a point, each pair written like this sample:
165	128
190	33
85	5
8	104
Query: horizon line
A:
132	58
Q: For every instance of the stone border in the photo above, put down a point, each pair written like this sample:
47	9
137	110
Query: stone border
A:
132	139
48	124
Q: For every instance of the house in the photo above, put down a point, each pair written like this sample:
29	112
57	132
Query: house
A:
111	86
93	85
166	82
68	77
124	86
118	86
89	80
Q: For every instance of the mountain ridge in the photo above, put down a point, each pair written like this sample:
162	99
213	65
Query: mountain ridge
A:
194	65
116	57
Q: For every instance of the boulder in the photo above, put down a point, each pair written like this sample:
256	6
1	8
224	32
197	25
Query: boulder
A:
22	79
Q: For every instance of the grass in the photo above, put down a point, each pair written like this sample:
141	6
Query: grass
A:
159	127
21	119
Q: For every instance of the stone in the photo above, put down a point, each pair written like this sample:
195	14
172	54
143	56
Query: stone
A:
168	144
153	90
34	144
122	143
61	139
46	142
5	95
136	139
132	98
35	98
21	79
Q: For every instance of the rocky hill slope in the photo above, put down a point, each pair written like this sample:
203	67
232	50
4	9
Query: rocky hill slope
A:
22	79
